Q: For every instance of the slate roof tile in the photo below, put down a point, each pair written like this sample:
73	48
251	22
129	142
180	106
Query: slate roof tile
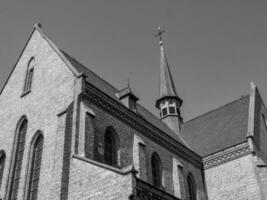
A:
111	91
218	129
211	132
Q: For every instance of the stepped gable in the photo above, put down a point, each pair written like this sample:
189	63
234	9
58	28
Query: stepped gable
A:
218	129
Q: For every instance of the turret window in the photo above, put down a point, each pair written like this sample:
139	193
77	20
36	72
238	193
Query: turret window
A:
164	112
172	110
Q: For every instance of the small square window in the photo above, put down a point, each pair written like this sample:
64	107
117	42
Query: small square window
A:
172	110
164	111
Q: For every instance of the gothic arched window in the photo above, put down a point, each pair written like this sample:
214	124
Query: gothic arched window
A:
29	75
111	148
181	184
156	170
191	187
2	165
17	159
35	166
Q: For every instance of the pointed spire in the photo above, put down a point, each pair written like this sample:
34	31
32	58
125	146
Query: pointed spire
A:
167	88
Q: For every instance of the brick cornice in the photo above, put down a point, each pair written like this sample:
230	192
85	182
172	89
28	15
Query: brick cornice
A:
226	155
136	121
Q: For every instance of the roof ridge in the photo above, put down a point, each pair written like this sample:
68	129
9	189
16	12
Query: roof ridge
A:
220	107
107	82
117	90
90	70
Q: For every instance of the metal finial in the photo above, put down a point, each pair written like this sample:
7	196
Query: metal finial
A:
159	34
38	24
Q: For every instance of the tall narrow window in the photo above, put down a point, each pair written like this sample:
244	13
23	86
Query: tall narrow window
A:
2	165
142	161
110	149
35	167
89	136
181	182
17	160
29	75
191	187
156	170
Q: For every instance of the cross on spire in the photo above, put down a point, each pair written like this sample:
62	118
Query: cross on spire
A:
159	34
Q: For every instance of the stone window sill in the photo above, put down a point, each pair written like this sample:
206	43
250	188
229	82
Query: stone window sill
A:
123	171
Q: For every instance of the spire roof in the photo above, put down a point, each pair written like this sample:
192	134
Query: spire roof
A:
167	87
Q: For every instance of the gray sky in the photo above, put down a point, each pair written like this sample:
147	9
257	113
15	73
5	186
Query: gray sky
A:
214	48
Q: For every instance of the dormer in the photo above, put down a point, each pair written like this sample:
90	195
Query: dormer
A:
128	98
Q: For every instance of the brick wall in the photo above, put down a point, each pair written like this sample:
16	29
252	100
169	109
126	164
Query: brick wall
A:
260	160
129	150
234	180
64	177
52	92
168	175
101	121
89	181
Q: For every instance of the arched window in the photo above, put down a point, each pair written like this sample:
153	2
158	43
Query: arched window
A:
191	187
2	165
142	161
111	148
29	75
17	159
180	184
156	170
35	166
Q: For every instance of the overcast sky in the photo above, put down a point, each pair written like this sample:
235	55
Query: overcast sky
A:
215	48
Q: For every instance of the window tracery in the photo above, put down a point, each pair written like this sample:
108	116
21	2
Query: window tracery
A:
35	167
17	161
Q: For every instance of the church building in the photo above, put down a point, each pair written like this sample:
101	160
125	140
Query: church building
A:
67	134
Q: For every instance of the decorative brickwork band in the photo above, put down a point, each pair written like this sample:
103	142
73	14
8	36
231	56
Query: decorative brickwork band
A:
119	111
226	155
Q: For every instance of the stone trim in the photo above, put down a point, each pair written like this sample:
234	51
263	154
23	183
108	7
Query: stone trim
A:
123	171
75	72
251	111
24	93
136	153
226	155
136	121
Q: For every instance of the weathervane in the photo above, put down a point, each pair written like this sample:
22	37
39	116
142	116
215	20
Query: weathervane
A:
159	34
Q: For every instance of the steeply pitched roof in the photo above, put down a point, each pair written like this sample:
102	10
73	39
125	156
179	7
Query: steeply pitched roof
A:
167	87
111	91
218	129
209	133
